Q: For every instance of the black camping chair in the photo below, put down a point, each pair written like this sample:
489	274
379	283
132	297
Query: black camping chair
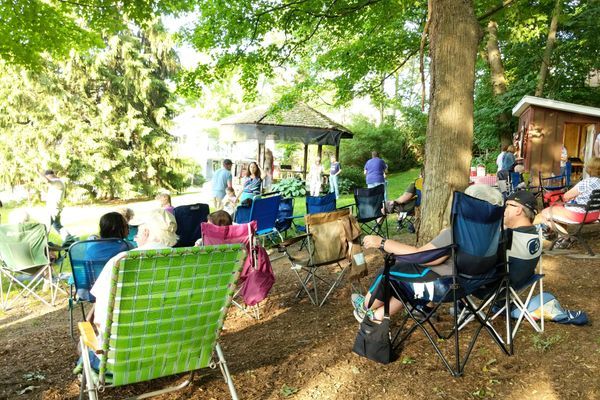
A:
189	218
476	233
370	206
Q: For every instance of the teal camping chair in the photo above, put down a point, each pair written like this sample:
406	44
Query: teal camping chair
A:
25	262
165	313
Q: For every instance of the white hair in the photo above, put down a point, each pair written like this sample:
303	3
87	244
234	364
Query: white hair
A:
486	193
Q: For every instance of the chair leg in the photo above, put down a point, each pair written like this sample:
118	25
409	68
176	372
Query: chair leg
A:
87	380
225	372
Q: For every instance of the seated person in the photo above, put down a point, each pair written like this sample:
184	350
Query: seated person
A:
440	268
164	200
156	231
573	212
112	226
406	201
219	218
230	201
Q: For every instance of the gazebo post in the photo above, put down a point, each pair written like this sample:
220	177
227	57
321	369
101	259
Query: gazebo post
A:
320	151
337	153
305	161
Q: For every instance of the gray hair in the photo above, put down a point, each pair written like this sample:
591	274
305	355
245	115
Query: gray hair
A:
486	193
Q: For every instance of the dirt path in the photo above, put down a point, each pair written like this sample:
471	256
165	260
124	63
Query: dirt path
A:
300	351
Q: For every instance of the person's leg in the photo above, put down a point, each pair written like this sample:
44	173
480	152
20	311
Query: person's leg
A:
55	221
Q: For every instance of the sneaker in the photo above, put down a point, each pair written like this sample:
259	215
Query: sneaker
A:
564	243
358	302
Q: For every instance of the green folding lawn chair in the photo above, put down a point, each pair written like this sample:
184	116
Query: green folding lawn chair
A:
165	313
24	261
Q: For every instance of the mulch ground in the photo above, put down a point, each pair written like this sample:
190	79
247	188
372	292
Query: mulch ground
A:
300	351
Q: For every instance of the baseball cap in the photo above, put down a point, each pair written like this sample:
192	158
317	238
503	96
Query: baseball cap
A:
524	198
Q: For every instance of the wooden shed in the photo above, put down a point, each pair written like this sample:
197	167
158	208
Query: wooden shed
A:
546	125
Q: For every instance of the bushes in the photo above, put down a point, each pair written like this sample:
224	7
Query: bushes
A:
353	175
400	145
290	187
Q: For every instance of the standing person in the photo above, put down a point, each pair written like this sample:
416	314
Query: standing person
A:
252	184
334	172
375	171
508	161
564	157
314	177
54	203
501	156
221	180
268	169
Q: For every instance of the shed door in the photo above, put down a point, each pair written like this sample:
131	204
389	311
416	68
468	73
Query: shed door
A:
592	147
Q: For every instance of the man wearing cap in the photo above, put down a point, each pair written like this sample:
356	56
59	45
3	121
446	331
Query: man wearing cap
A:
221	180
523	245
156	231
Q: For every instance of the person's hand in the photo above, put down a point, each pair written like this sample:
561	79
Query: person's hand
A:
372	241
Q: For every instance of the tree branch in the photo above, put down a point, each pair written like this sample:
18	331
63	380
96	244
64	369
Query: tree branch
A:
492	11
421	55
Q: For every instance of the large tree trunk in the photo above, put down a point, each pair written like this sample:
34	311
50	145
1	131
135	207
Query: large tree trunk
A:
498	78
548	51
454	36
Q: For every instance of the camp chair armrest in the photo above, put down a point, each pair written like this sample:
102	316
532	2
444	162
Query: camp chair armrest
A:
89	337
288	242
55	247
424	257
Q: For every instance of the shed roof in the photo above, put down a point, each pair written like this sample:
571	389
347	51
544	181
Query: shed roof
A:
301	123
527	101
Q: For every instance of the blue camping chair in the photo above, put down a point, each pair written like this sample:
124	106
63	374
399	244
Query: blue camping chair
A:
264	211
189	218
370	206
316	205
477	228
87	259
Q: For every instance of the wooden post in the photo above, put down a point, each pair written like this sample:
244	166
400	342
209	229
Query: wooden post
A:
320	152
305	161
337	153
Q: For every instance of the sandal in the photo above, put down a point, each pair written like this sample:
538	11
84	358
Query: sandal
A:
564	243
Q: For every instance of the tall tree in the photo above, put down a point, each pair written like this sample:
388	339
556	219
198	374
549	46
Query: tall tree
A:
545	65
454	36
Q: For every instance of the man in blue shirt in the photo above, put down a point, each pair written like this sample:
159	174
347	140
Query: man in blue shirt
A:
221	180
375	170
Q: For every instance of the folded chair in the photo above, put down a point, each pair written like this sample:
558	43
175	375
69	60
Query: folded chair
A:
476	233
328	237
165	313
264	211
243	234
573	230
189	218
24	254
87	259
370	206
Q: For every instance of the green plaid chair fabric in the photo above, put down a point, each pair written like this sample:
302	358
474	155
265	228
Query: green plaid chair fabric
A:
24	263
165	313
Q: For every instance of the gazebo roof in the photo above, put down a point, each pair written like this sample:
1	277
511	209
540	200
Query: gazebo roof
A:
301	123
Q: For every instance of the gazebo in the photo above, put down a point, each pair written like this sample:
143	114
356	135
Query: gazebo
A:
300	123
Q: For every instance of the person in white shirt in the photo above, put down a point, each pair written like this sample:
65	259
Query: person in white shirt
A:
156	231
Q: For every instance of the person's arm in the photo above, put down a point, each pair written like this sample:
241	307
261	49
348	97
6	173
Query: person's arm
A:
571	194
339	171
394	247
44	176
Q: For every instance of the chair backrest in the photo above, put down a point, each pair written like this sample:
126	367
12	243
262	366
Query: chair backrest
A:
264	212
418	191
166	310
320	204
568	171
593	203
328	238
189	218
515	180
369	202
286	210
230	234
523	251
551	182
23	246
476	231
89	257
